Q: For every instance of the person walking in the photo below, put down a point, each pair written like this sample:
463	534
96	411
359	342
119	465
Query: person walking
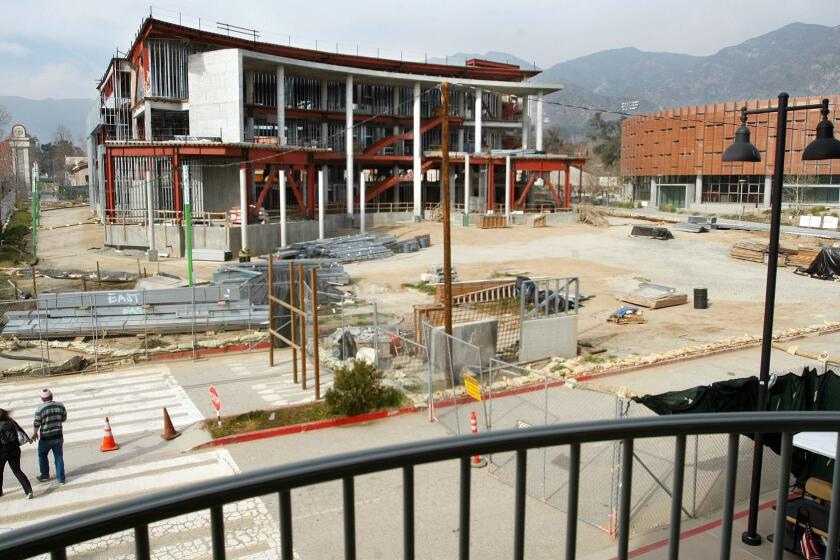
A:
11	438
49	417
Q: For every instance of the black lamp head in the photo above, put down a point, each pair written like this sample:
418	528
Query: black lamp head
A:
742	149
825	145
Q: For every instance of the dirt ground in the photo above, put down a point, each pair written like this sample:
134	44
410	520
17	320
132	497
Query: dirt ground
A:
605	259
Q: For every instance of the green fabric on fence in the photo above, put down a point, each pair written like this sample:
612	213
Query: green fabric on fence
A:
789	392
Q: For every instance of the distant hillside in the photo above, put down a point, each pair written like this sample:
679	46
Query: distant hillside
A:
801	59
42	116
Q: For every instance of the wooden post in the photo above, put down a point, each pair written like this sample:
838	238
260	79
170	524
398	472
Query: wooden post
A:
447	242
34	285
98	276
292	320
302	300
84	283
316	355
270	311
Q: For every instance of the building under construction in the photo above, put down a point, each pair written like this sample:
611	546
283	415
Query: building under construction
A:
293	134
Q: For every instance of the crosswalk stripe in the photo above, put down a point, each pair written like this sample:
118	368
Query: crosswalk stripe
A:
133	402
250	532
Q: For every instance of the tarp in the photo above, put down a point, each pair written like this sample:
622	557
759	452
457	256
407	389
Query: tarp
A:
650	231
789	392
826	265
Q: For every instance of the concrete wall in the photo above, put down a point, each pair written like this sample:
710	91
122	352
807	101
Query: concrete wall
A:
549	336
216	108
482	334
725	208
168	239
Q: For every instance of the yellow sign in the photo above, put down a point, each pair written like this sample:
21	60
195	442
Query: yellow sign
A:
472	387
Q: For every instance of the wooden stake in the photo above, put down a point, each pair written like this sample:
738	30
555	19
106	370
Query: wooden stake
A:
270	311
315	336
98	276
292	320
34	285
302	304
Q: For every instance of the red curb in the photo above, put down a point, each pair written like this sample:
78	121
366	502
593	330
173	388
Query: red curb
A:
201	352
698	530
306	427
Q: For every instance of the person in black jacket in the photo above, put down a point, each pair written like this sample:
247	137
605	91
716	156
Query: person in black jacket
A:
11	435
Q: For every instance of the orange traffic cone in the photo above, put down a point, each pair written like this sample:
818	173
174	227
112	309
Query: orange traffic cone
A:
169	431
108	442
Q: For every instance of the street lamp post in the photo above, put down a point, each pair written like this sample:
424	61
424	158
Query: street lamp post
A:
825	146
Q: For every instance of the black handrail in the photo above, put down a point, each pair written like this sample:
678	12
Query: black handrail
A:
55	535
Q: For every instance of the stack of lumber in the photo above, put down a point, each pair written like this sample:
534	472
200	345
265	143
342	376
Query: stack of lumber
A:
491	221
653	296
758	251
803	257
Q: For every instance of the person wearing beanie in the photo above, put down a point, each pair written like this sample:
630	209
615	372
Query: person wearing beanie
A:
49	416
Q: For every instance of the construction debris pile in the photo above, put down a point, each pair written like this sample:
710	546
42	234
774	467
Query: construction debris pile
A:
354	248
129	312
652	232
559	367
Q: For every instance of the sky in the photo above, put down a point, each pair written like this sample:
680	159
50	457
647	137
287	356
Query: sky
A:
59	49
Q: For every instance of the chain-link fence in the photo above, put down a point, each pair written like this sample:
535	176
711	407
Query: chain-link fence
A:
519	398
705	464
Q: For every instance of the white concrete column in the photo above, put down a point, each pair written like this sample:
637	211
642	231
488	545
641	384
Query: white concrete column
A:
348	141
321	204
417	144
526	120
466	183
654	198
325	127
281	105
478	94
243	205
396	171
150	209
768	188
147	120
281	178
362	201
507	188
698	189
539	121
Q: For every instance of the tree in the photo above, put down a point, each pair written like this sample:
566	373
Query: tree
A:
53	154
553	141
605	136
5	121
794	189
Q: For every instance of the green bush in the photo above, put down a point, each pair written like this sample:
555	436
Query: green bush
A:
818	210
667	208
358	389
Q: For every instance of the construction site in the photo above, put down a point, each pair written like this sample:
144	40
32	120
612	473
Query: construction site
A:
307	211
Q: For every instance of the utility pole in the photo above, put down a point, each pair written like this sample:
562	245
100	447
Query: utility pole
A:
188	219
447	241
36	210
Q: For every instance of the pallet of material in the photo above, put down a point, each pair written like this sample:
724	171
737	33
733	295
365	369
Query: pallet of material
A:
804	257
653	296
491	221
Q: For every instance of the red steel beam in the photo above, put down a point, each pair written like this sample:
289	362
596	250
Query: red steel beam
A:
524	194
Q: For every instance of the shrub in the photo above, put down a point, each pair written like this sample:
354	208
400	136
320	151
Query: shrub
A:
818	210
358	389
667	208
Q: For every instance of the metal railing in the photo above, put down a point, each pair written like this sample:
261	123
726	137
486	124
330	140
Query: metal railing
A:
55	536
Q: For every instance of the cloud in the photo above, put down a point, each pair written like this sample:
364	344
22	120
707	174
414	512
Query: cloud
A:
58	79
13	48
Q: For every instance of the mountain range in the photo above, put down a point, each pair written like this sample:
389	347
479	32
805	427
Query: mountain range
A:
802	59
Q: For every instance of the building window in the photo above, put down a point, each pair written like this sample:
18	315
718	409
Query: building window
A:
738	189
